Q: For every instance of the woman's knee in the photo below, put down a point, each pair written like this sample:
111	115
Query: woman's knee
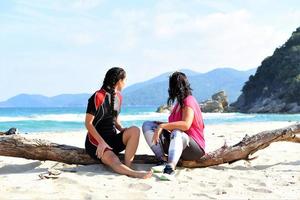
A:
176	133
147	125
131	132
134	129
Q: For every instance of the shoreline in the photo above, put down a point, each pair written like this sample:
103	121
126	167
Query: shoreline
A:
275	174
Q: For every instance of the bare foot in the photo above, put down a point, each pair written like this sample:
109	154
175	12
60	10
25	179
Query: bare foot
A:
142	174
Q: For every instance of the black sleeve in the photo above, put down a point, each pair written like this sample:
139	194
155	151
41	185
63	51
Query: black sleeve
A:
91	109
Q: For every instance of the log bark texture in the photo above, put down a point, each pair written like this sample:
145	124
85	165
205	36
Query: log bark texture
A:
36	149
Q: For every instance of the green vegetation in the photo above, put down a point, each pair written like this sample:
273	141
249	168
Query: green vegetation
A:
278	77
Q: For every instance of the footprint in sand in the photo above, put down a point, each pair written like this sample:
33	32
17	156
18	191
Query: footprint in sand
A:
19	168
253	181
200	196
220	191
212	184
258	182
140	186
88	197
260	190
227	184
202	185
66	180
262	184
232	177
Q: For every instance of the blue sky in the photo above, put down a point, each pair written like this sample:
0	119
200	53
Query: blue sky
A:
51	47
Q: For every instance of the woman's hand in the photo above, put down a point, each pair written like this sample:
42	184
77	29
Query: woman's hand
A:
122	129
101	149
156	135
159	122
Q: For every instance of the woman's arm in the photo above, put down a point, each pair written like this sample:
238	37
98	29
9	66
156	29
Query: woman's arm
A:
183	125
119	125
102	145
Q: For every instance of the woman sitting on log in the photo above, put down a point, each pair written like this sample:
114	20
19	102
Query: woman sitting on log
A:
182	137
102	122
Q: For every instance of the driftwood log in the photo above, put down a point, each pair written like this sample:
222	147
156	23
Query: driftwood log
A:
17	146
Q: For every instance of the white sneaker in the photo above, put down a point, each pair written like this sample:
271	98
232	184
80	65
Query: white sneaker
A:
168	174
167	177
158	169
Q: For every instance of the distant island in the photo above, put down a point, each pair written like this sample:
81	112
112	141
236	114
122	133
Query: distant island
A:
275	87
151	93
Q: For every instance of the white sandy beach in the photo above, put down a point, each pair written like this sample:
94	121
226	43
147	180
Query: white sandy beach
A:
275	174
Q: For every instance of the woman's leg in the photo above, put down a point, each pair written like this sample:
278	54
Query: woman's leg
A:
148	130
110	159
130	138
193	151
179	141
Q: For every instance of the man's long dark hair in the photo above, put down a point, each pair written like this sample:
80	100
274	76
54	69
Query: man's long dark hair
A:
112	76
179	88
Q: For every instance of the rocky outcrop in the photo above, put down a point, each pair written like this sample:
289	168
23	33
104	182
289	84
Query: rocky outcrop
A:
267	105
276	84
164	109
218	103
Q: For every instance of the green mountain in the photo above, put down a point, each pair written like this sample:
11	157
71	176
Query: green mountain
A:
275	87
155	91
152	92
63	100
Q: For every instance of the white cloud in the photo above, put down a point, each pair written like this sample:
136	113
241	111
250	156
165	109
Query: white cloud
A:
147	39
170	24
219	39
86	4
59	5
83	38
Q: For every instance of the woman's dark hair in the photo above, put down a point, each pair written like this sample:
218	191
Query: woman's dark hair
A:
179	88
112	76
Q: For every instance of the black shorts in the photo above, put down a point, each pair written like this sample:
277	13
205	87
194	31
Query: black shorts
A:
115	141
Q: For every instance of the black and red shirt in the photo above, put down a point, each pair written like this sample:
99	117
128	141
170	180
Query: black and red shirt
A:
99	107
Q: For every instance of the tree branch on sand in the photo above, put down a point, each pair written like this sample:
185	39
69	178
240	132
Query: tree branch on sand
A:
36	149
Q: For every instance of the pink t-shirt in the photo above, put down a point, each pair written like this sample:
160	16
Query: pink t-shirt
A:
196	130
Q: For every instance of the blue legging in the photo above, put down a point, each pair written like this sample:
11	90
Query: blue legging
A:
178	142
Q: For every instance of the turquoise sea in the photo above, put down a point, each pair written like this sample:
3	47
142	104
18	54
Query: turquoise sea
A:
33	120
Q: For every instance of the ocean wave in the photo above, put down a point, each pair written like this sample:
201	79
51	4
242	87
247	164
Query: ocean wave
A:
142	116
145	116
81	117
123	117
47	117
228	116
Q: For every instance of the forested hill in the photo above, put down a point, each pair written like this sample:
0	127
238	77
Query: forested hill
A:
275	87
